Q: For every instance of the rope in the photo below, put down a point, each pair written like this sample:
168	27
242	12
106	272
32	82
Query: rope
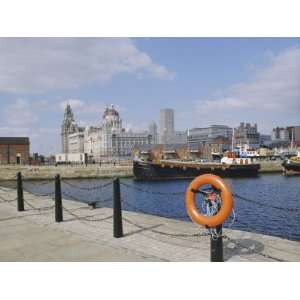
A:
165	233
151	192
87	188
265	205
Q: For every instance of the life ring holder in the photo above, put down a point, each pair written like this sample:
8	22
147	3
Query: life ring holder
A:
226	200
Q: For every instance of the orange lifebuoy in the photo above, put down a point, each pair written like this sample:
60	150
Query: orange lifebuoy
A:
226	200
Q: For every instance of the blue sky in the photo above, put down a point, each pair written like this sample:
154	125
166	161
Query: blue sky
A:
206	80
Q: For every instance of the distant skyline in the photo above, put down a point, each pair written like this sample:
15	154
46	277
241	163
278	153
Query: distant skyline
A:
205	80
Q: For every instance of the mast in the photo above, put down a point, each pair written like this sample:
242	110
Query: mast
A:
292	141
232	138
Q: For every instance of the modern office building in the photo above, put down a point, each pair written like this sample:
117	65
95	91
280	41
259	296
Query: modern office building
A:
167	129
265	139
180	137
152	129
246	136
280	134
294	135
200	136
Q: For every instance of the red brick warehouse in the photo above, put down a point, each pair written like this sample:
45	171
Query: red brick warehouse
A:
14	150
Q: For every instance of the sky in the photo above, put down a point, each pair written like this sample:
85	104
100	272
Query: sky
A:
205	80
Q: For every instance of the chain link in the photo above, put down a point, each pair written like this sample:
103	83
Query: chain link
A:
3	200
151	192
87	188
49	194
72	197
85	218
166	233
39	183
38	208
137	209
265	205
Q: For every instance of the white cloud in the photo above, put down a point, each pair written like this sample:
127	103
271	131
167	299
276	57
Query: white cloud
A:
42	140
75	104
271	98
20	118
81	107
40	64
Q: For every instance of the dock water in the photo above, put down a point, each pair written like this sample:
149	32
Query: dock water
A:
87	235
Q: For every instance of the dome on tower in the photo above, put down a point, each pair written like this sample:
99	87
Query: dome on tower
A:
110	111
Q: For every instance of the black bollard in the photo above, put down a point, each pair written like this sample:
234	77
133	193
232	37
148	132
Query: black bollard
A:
216	246
118	224
20	192
58	200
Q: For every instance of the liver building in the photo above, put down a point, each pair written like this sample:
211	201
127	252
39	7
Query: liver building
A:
107	140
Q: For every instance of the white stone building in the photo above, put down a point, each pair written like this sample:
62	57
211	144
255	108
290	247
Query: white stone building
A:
108	140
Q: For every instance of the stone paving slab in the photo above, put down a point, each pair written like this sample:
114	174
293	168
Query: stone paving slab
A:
86	235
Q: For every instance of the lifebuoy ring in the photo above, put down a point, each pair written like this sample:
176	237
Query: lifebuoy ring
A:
226	200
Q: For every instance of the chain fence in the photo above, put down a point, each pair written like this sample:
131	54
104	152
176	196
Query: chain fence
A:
151	192
86	218
165	233
138	209
4	200
289	209
90	188
79	199
131	206
38	208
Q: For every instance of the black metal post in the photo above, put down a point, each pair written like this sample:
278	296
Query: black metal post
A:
216	246
118	224
58	200
20	192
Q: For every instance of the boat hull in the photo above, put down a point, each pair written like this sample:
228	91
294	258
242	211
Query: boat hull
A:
291	166
152	171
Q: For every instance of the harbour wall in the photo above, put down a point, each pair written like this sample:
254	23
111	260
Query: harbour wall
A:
65	171
8	172
270	166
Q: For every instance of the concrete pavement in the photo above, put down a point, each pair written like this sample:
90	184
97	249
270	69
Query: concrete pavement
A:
86	235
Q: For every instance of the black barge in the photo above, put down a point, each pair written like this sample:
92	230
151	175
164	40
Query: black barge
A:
175	169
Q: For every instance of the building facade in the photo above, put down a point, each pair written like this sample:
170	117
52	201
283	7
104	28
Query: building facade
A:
108	140
294	135
180	137
68	128
200	136
280	134
153	131
14	150
246	136
265	139
166	126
